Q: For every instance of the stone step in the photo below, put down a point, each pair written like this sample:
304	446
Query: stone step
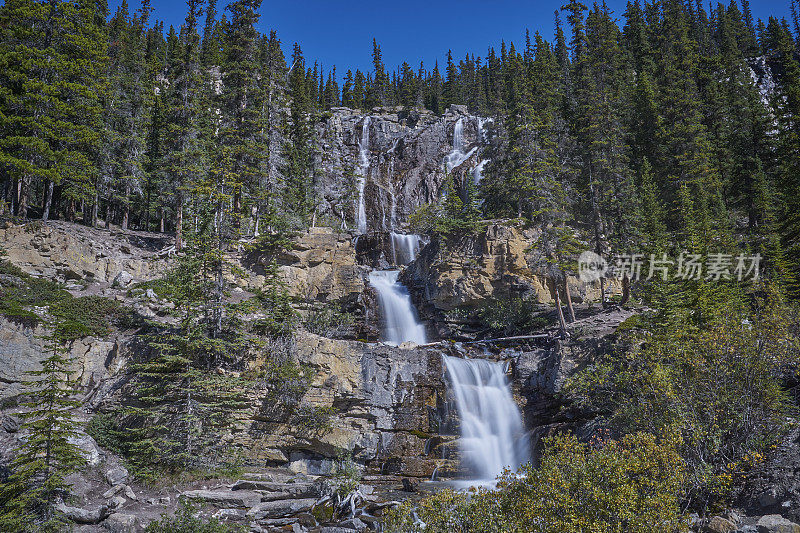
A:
280	508
224	498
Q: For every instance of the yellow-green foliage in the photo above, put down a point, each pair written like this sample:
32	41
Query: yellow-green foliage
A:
716	383
630	486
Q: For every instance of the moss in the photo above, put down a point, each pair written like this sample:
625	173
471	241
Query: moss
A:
77	317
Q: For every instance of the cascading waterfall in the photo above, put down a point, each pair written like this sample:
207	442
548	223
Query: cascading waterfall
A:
363	166
405	247
492	436
457	155
477	172
400	317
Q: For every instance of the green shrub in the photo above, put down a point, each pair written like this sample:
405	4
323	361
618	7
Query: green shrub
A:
186	520
512	316
716	382
630	486
328	321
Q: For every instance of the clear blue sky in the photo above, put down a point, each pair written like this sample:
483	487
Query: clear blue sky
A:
340	32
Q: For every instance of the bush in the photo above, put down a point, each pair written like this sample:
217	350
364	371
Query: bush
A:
717	383
512	316
328	321
630	486
187	521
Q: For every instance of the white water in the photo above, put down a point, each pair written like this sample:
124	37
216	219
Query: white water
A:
477	172
363	166
405	247
457	155
493	436
399	315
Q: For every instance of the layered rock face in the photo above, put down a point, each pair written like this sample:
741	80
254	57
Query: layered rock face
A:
501	263
68	252
405	156
320	266
384	403
23	348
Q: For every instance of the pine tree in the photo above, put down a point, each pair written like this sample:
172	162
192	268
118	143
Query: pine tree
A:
53	57
29	496
131	91
184	114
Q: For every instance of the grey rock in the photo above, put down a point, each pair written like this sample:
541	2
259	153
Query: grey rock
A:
117	502
129	493
83	516
121	523
775	523
278	491
113	491
353	523
230	514
280	508
9	424
88	448
122	280
117	475
225	498
151	294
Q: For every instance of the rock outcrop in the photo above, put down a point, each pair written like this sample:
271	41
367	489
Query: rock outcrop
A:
69	252
23	348
500	263
381	403
406	162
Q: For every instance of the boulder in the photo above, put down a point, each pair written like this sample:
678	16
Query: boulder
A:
117	475
121	523
122	280
719	525
9	424
83	516
775	523
88	448
278	491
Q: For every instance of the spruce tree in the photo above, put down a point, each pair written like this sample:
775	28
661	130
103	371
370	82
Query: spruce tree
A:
29	496
52	80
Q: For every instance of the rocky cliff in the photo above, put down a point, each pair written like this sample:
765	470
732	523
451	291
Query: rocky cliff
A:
404	163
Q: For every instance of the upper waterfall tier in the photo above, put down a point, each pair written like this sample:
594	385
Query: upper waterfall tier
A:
372	170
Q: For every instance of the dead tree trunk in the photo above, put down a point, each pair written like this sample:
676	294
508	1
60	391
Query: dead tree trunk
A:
568	297
561	320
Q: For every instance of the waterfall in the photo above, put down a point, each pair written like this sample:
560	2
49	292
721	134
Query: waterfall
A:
493	436
457	155
363	166
477	172
399	315
405	247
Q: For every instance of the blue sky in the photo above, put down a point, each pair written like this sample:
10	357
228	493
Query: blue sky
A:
340	32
